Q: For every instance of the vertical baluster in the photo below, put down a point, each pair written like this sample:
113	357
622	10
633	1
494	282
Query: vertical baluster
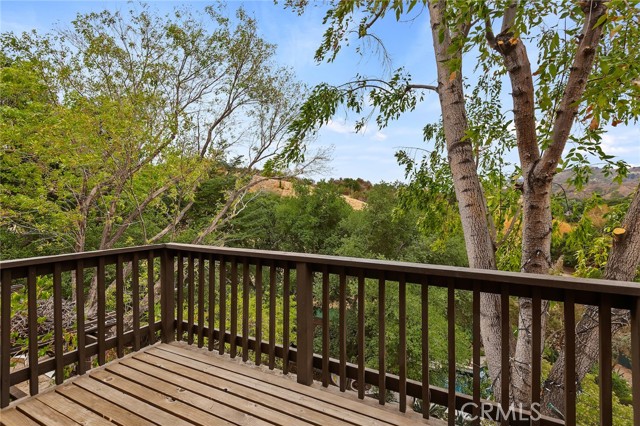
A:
151	295
180	310
57	322
191	296
635	359
536	351
80	317
343	331
212	301
135	295
272	316
32	306
304	323
286	293
5	341
325	327
402	352
200	300
426	398
258	351
245	309
505	334
606	407
451	363
234	308
223	307
360	334
477	341
101	312
382	347
119	307
167	296
570	359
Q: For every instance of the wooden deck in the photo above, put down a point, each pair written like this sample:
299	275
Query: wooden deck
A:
176	384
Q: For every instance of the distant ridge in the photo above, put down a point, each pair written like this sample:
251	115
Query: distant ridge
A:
599	183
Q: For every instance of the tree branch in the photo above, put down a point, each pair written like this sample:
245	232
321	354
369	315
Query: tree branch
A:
624	257
171	226
491	38
511	227
422	86
576	85
518	67
509	17
138	211
365	26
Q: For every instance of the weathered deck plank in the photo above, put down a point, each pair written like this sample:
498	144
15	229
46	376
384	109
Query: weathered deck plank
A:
266	389
101	406
177	384
42	413
281	384
189	368
72	410
13	417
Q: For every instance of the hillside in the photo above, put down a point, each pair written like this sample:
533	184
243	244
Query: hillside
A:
285	189
600	184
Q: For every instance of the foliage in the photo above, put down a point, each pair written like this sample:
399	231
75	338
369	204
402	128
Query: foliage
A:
550	26
587	405
354	188
586	240
154	109
307	222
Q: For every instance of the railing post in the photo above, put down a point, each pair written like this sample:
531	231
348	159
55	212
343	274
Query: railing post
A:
304	324
167	290
5	343
635	360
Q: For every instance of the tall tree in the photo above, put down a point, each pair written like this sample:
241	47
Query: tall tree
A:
134	112
587	72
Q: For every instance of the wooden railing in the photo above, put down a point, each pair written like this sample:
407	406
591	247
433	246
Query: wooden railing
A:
273	307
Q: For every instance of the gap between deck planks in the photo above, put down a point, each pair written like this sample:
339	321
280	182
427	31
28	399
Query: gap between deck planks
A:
178	384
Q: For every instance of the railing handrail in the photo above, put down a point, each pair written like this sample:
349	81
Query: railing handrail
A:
42	260
590	285
307	268
628	288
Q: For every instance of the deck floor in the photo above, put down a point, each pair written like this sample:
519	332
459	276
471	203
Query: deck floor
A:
176	384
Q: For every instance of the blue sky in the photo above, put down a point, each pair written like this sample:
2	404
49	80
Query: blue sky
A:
370	154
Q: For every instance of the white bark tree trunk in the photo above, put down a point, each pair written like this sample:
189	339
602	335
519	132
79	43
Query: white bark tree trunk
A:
471	201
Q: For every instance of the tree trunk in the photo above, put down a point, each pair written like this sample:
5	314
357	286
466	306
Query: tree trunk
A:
536	258
622	265
471	201
539	168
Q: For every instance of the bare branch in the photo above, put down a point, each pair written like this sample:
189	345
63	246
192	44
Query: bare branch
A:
422	86
138	211
491	38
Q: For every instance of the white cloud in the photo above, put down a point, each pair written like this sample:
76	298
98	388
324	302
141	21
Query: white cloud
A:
346	127
379	136
339	127
621	142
